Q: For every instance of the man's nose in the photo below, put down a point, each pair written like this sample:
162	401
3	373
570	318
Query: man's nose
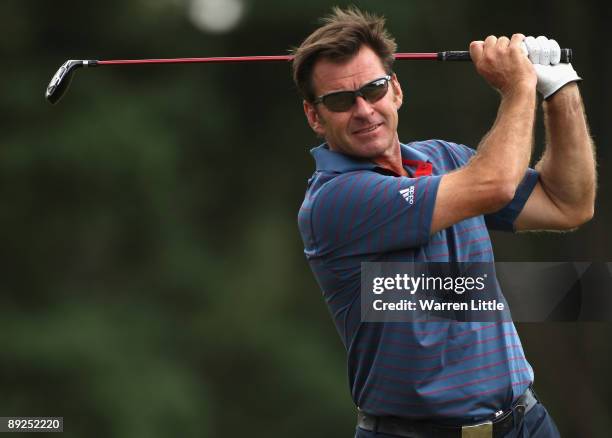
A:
362	106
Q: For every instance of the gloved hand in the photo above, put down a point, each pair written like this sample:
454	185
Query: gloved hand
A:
545	55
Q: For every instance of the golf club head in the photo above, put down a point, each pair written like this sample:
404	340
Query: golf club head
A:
60	81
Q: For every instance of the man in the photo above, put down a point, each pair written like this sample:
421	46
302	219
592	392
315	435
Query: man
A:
427	379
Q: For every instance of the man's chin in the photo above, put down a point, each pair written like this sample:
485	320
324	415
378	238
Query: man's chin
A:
369	150
362	149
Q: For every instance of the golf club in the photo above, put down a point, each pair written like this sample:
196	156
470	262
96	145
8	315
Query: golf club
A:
60	81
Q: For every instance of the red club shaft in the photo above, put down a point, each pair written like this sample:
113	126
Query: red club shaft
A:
417	56
276	58
194	60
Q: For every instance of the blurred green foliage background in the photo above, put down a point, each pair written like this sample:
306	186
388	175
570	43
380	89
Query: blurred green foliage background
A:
153	281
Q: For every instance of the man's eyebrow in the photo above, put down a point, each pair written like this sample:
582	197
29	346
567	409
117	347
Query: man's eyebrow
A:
355	89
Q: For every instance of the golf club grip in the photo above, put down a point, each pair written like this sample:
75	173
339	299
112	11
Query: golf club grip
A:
453	55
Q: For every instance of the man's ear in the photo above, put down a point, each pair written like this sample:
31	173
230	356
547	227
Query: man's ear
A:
398	95
313	118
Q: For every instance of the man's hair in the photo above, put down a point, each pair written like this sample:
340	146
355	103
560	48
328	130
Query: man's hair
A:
340	37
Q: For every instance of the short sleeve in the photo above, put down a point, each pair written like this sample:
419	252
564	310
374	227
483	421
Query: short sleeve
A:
503	219
367	212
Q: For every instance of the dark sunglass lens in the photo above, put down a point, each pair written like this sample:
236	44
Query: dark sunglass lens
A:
339	102
376	90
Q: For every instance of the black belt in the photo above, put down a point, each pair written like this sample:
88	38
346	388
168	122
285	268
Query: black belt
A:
496	428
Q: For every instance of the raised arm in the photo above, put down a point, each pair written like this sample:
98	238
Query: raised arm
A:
565	195
488	182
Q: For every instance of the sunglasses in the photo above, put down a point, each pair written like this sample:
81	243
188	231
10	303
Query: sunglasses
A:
340	101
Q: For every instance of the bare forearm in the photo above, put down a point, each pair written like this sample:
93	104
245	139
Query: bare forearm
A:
506	150
567	168
491	178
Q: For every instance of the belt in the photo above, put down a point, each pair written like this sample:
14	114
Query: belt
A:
496	428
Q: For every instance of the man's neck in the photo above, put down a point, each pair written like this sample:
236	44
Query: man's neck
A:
392	160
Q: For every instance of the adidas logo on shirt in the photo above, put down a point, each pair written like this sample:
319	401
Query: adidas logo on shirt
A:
408	194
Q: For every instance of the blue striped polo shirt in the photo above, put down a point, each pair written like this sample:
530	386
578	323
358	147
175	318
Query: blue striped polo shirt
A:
353	212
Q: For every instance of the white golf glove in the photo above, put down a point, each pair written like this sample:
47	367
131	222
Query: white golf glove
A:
545	55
